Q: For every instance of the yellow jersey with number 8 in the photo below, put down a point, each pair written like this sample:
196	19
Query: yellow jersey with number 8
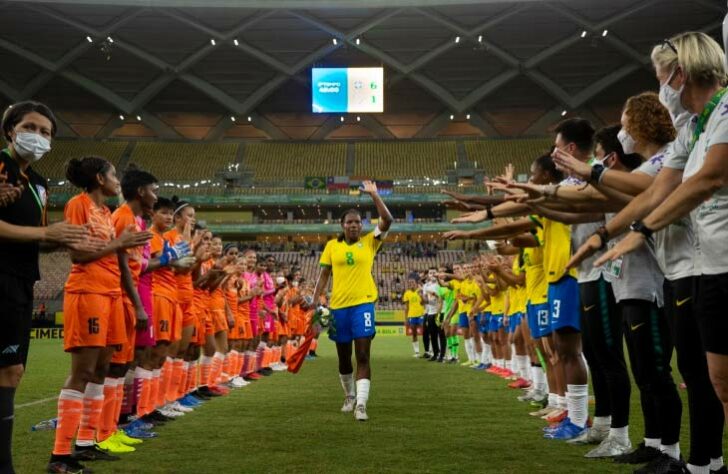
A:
351	270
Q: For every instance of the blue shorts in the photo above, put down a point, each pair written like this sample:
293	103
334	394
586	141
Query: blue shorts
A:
513	322
564	304
538	320
463	321
496	322
484	323
416	321
354	322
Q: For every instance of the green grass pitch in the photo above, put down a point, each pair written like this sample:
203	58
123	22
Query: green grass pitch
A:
424	417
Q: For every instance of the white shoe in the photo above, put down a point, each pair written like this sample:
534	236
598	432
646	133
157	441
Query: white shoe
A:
591	436
416	355
609	448
170	412
279	367
349	403
177	406
360	413
239	382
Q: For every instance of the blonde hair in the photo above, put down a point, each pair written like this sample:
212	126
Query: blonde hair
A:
700	57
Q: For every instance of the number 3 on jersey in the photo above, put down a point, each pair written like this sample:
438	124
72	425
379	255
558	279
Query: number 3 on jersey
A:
349	258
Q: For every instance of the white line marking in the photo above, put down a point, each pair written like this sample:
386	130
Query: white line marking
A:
37	402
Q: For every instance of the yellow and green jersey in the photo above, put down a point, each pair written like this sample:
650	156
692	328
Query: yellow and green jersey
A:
556	250
415	308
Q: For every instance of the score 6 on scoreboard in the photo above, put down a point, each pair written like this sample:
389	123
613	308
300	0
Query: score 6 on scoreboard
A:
347	90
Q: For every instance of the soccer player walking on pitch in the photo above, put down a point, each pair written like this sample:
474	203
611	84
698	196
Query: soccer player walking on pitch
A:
348	260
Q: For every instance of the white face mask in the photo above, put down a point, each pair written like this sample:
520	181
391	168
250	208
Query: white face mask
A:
294	284
280	280
627	141
31	146
670	98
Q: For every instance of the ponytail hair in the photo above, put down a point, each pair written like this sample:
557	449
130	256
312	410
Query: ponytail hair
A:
82	172
178	205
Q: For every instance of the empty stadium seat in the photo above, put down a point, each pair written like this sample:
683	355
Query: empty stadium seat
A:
53	165
494	155
295	160
384	160
186	162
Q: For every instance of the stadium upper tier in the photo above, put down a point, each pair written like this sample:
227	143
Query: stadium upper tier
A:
493	155
281	168
295	160
183	161
53	165
404	159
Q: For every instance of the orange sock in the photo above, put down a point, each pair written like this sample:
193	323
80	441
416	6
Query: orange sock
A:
70	408
93	403
205	370
167	371
177	368
239	365
106	428
226	364
216	368
145	394
182	389
192	376
119	401
154	393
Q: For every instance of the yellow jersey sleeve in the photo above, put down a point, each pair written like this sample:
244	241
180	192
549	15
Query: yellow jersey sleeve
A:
325	260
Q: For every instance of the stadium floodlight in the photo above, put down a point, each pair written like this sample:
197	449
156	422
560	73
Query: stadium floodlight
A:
358	41
358	119
341	118
250	119
480	38
335	41
452	117
583	34
139	118
232	118
457	39
121	117
605	33
109	39
563	113
467	117
88	38
235	42
212	41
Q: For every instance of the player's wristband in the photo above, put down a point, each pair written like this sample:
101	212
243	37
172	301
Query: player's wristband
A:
489	213
596	173
639	226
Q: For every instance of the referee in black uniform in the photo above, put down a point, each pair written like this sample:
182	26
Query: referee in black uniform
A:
28	128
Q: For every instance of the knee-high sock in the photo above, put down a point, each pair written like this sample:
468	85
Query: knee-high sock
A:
205	369
166	381
93	404
7	414
108	412
177	368
70	409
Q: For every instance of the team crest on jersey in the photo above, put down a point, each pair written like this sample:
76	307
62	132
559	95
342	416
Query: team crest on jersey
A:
42	194
360	245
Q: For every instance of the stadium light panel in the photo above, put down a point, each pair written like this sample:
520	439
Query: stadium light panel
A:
452	117
335	41
121	117
467	117
480	38
358	119
212	41
232	118
250	119
457	39
235	42
109	39
583	34
358	41
605	33
563	113
88	38
139	118
341	118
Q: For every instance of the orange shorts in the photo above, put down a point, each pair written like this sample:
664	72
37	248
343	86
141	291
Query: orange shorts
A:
219	321
247	329
125	353
166	316
188	314
92	320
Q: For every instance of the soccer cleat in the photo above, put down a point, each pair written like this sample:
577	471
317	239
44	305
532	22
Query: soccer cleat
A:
520	383
92	453
722	470
252	376
480	366
593	436
139	433
177	406
111	446
310	357
169	413
219	389
280	368
434	358
664	464
566	431
608	448
205	390
360	413
66	465
121	437
139	424
156	417
239	382
416	355
189	401
641	455
543	411
467	363
556	417
349	403
266	371
492	370
487	366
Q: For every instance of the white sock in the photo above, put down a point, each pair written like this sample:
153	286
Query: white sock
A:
500	363
539	379
602	422
416	347
672	450
652	443
488	354
716	463
553	400
620	434
469	348
484	356
577	403
347	383
362	391
523	367
693	469
562	402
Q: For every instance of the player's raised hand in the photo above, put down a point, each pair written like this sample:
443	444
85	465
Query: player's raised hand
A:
455	235
369	187
630	243
588	248
471	218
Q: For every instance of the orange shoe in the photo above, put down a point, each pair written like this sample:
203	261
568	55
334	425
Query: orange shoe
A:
505	373
520	383
219	390
558	417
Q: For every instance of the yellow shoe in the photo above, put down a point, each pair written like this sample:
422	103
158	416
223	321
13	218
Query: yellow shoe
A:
123	438
112	446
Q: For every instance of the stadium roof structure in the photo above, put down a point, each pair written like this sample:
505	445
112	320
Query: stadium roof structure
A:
498	68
